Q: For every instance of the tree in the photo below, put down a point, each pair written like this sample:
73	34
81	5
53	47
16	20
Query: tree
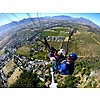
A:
61	85
69	81
76	80
83	72
87	72
41	85
77	69
28	80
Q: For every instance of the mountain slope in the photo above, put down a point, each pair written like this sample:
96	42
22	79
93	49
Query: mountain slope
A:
62	17
80	20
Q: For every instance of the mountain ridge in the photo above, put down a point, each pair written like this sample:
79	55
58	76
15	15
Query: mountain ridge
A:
80	20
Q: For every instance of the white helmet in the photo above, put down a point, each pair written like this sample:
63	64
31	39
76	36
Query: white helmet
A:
61	51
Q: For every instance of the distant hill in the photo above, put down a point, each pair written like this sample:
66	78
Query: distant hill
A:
16	23
81	20
86	22
6	26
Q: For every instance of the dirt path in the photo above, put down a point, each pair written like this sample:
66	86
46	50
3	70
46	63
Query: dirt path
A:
95	39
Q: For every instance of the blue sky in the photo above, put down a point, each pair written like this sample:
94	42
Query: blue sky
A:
94	17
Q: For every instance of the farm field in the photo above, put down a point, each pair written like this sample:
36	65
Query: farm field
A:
24	50
8	67
57	31
14	76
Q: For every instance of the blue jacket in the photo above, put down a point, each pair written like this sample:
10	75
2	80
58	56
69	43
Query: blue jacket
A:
65	68
62	68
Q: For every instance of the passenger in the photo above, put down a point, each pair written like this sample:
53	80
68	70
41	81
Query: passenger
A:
56	55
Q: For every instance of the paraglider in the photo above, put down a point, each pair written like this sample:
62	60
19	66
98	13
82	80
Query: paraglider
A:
61	64
66	66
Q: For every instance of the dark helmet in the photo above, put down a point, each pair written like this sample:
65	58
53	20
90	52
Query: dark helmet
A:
73	56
